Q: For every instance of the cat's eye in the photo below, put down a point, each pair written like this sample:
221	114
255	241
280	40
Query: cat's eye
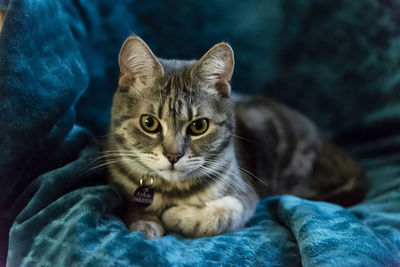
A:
149	124
198	127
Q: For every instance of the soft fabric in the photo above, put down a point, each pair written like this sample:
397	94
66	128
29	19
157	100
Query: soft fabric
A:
336	60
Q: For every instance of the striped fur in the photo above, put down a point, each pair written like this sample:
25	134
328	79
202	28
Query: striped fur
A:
212	188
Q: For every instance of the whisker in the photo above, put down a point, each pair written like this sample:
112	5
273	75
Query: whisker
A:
219	167
222	167
85	171
243	138
215	180
248	173
252	175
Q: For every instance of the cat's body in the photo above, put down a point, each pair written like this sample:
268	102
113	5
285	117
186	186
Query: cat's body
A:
175	126
286	147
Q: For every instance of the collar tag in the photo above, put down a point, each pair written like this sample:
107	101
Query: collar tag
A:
144	194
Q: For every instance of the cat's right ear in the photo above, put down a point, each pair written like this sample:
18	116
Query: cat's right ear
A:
138	65
215	69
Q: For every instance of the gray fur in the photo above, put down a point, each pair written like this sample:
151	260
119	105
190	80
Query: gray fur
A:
213	188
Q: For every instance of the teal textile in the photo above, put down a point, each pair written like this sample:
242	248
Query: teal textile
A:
338	61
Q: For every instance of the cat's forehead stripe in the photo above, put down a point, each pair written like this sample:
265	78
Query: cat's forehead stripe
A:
179	107
190	111
173	109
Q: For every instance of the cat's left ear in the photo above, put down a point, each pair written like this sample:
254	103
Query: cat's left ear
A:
139	66
215	69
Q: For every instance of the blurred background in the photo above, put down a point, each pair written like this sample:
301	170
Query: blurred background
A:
336	61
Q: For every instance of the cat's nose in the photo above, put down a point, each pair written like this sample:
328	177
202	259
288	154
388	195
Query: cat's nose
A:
174	157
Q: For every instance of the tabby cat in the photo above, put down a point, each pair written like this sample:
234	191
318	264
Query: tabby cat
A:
199	158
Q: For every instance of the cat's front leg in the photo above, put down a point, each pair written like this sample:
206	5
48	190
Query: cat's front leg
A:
216	217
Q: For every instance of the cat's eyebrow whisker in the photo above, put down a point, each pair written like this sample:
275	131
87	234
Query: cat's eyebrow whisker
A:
146	100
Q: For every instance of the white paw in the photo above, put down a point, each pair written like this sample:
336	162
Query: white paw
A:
149	228
184	220
219	216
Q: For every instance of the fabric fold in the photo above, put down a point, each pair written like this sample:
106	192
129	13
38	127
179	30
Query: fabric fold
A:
58	71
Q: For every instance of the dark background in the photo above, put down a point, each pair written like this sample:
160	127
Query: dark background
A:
336	61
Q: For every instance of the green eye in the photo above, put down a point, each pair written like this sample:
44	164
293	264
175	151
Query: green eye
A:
149	124
198	127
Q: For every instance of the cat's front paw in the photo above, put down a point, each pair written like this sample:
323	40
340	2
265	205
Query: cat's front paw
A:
184	220
219	216
149	228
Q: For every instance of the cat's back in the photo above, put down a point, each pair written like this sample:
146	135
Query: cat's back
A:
285	149
273	141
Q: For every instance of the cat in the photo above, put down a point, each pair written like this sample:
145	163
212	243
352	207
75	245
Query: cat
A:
201	157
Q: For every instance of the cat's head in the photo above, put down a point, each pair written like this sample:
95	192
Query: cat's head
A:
172	118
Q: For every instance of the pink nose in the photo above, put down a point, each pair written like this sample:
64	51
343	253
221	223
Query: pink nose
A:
173	157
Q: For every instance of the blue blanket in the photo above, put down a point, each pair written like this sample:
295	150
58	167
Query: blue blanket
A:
336	61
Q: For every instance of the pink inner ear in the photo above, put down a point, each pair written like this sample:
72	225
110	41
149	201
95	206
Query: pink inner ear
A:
227	74
223	85
223	88
125	80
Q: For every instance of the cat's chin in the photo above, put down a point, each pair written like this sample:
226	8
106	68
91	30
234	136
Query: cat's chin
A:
172	175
